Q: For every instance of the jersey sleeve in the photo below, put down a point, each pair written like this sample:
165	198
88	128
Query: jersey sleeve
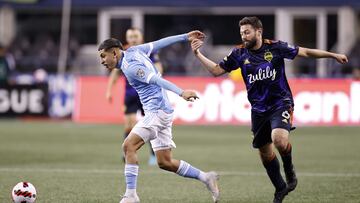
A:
145	48
230	62
154	46
287	50
140	73
166	84
167	41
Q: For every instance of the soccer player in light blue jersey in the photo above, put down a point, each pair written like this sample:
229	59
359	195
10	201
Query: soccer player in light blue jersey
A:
132	104
157	122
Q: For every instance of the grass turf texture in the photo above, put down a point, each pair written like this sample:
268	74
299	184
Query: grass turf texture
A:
70	162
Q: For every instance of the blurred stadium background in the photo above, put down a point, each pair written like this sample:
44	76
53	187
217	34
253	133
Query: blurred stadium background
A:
58	131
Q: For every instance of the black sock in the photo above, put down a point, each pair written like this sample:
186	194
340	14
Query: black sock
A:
287	158
273	171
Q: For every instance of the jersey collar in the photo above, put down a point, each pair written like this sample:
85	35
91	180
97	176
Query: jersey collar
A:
259	49
121	60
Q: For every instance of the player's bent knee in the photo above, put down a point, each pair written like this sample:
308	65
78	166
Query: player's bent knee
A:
280	138
280	142
132	143
128	147
164	164
277	141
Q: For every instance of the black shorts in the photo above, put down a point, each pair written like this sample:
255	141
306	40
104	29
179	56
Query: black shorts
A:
133	105
264	123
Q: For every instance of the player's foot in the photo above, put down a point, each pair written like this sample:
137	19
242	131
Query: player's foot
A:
130	199
211	183
152	160
291	178
280	195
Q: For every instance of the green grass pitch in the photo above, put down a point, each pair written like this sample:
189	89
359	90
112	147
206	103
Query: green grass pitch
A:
70	162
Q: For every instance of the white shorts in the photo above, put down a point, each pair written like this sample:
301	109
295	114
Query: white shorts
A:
156	128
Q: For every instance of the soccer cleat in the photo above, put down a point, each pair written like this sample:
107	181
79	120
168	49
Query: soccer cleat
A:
291	178
280	195
211	184
132	199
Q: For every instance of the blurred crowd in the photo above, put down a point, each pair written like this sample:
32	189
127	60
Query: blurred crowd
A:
34	51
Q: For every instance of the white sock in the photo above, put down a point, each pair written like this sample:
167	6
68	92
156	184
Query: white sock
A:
189	171
131	173
202	176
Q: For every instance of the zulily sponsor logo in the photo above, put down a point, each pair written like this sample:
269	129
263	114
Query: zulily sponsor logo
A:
262	75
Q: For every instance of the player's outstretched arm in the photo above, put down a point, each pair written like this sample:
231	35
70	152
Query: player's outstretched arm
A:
210	65
185	94
317	53
114	75
190	36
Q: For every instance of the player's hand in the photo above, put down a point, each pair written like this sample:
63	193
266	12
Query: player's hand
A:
196	34
108	96
189	95
196	44
341	58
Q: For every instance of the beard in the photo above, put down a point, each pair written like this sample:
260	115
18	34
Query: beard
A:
250	44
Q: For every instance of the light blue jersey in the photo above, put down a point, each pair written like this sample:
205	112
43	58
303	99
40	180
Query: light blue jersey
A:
145	78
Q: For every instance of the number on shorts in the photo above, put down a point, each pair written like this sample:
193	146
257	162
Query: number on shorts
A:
286	115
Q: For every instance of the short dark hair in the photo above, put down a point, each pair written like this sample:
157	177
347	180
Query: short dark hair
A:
254	21
110	43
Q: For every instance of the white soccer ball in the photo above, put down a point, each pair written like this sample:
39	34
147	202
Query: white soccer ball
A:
23	192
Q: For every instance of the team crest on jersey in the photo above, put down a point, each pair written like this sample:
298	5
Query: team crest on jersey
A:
246	61
140	73
268	56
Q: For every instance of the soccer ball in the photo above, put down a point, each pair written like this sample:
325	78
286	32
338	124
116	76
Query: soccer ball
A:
23	192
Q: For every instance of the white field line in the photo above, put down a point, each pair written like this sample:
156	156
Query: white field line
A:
153	172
